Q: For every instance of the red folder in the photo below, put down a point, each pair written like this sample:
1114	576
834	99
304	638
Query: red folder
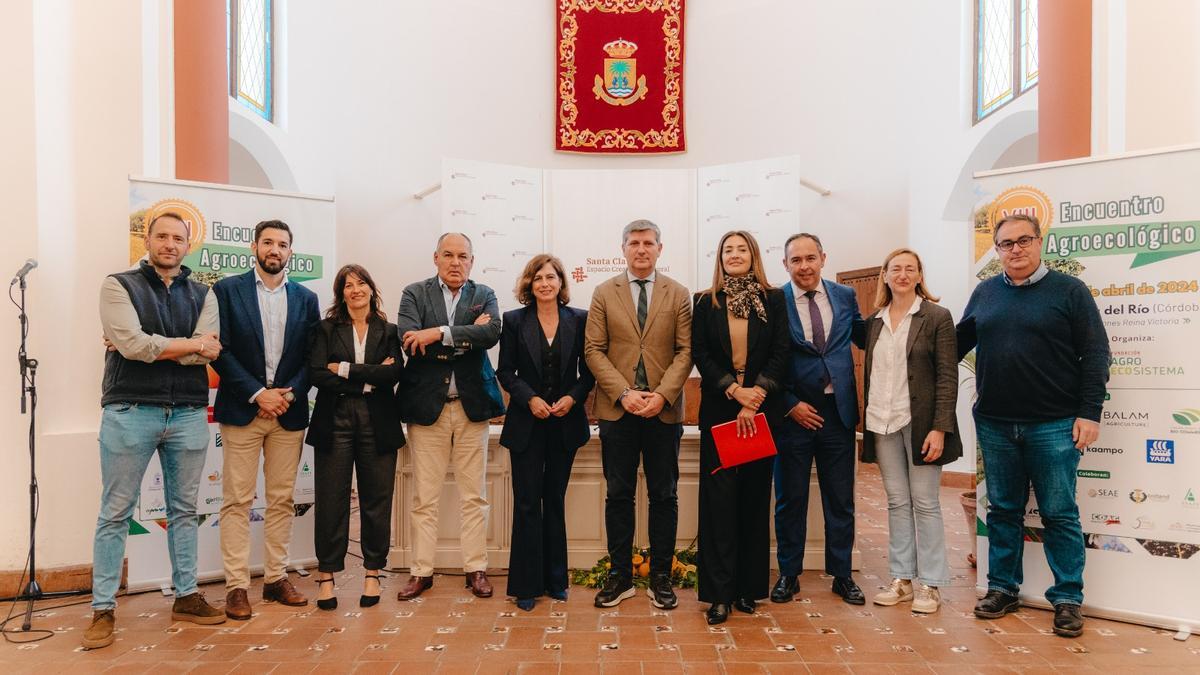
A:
735	451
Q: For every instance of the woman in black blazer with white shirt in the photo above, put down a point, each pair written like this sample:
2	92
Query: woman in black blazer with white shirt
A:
542	369
740	345
355	361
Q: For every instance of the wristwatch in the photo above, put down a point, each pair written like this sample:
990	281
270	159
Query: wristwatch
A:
622	394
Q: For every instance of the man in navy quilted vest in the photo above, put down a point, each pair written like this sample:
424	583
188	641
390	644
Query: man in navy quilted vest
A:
162	326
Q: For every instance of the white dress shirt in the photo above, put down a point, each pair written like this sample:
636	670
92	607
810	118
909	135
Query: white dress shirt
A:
451	299
360	356
273	308
636	289
823	306
889	408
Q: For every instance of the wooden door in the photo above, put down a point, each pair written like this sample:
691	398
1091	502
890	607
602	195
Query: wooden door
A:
864	282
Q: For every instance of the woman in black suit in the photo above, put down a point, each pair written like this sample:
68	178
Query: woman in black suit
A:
354	360
542	369
740	345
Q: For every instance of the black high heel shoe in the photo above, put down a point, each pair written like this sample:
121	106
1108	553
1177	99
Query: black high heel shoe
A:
369	600
326	603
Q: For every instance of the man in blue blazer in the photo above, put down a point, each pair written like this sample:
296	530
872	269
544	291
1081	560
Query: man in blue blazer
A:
448	323
822	403
262	407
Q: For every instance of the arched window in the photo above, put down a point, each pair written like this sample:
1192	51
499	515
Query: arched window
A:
250	54
1006	52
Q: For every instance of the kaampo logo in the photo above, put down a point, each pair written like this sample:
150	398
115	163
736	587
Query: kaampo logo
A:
1159	451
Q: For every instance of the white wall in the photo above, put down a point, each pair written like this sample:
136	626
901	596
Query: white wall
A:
18	225
1162	80
74	123
762	79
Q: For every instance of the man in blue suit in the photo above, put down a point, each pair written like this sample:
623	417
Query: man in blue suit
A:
262	407
822	404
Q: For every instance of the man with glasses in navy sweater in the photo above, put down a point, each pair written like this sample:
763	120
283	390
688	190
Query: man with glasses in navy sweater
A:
1041	369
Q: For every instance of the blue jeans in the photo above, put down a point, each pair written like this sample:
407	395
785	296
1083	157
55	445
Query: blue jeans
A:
129	435
1016	455
916	535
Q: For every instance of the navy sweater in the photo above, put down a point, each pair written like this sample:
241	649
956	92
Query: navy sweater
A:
1043	351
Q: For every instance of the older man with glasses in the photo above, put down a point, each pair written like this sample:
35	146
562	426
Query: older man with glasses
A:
1041	368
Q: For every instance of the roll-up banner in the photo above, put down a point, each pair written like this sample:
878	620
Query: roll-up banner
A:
222	220
1129	228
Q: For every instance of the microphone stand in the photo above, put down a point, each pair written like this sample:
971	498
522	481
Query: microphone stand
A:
33	590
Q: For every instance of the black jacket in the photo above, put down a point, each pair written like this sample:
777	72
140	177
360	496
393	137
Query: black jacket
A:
520	374
333	343
768	346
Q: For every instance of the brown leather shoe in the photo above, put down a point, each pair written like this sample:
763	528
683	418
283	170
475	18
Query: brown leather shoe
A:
196	609
100	633
479	584
237	605
284	593
415	587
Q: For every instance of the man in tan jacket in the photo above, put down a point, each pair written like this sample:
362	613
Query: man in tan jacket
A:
638	345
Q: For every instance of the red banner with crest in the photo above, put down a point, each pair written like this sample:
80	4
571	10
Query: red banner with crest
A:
619	76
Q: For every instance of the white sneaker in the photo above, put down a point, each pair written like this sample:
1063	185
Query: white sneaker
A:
927	601
901	590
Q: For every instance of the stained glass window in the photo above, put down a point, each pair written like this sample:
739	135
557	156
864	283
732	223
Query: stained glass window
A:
249	54
1029	43
1005	52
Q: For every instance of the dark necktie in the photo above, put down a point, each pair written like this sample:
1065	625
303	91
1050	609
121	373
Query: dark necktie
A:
639	376
818	326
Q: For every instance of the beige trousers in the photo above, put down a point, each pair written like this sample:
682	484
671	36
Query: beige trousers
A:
280	453
452	438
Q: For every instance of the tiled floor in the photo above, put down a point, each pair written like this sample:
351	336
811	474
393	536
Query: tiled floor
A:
448	631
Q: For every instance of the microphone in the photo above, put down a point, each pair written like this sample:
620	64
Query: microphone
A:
29	265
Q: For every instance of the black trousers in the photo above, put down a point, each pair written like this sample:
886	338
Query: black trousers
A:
540	472
734	538
655	444
352	452
832	447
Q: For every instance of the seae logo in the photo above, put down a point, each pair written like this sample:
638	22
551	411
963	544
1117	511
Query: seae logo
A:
1159	451
1102	493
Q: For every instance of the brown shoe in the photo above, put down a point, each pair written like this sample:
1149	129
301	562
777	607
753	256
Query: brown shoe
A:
237	605
100	633
414	588
196	609
479	584
284	593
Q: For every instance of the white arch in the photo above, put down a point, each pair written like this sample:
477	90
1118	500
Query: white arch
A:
256	136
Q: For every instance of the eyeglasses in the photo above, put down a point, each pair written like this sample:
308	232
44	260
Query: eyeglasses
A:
1008	244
